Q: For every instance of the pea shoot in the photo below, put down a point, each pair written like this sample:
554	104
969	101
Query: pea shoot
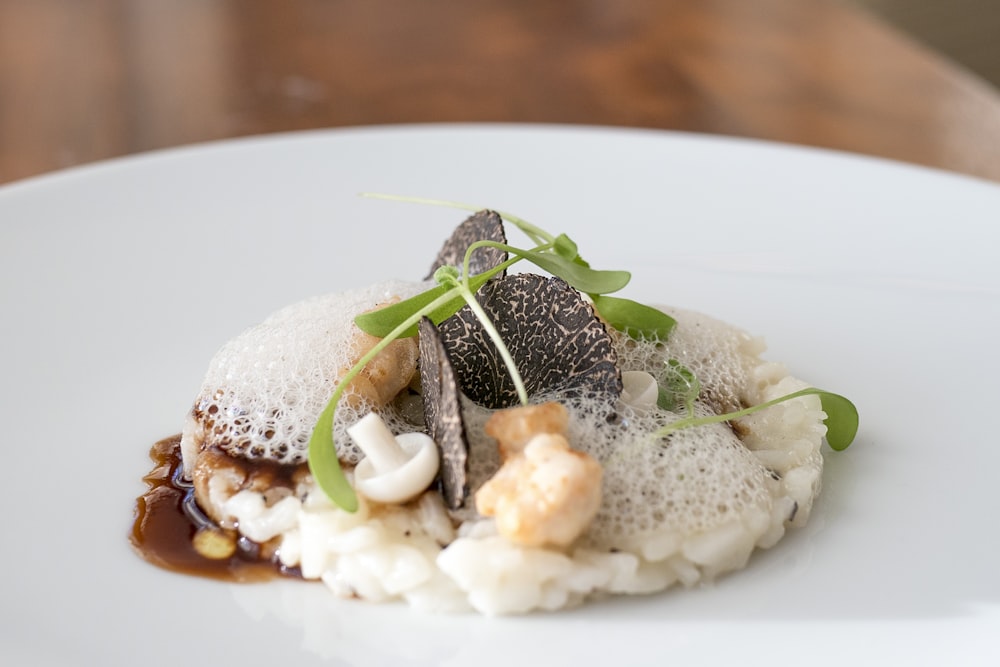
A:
841	416
555	254
559	256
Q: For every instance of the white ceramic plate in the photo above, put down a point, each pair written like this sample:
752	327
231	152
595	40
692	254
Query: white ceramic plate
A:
875	280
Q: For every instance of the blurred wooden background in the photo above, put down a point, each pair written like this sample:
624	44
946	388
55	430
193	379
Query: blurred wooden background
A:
967	31
86	80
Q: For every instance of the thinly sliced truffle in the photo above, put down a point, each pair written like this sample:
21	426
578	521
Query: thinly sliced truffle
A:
443	414
483	226
557	343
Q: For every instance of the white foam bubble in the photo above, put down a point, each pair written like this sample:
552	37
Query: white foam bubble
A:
264	390
662	491
681	509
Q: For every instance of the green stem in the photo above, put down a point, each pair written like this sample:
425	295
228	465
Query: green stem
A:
324	464
689	421
491	331
518	256
484	319
536	234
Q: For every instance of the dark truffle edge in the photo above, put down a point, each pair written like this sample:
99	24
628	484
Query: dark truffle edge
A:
443	415
485	225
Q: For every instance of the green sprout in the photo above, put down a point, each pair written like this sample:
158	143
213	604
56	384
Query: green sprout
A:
558	255
841	417
554	254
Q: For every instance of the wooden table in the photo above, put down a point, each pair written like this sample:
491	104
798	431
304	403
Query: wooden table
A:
86	80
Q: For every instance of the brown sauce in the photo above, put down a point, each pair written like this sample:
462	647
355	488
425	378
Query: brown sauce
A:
167	520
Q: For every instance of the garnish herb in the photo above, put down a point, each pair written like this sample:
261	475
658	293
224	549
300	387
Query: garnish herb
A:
450	277
841	417
556	254
635	319
559	256
680	389
577	275
323	462
384	321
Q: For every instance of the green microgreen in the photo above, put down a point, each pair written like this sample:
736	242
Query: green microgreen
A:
579	276
639	321
679	389
380	322
323	462
556	254
559	256
566	248
383	321
841	417
484	320
453	290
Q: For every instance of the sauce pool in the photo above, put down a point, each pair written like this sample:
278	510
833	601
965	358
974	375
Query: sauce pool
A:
167	520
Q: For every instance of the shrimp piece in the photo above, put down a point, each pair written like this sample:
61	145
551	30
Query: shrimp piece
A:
515	427
545	493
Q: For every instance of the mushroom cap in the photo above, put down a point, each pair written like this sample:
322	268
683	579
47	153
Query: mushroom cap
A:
639	390
405	482
557	342
483	226
443	414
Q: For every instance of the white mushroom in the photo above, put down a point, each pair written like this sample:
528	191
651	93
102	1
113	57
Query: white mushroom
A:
395	468
639	390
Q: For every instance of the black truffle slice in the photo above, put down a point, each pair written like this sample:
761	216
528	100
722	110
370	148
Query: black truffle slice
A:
557	343
443	414
483	226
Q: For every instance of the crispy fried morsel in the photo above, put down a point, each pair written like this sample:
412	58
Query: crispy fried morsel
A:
513	428
545	493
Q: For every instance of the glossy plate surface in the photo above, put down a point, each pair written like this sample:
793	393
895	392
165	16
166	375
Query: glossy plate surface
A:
876	280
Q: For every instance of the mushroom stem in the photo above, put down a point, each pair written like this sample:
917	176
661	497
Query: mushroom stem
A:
378	443
396	469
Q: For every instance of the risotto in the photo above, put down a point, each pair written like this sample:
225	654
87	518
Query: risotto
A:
598	496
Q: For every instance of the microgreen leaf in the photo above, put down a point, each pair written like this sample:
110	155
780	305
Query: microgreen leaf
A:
446	275
559	256
679	389
841	417
635	319
581	277
573	269
566	248
323	462
383	320
841	420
